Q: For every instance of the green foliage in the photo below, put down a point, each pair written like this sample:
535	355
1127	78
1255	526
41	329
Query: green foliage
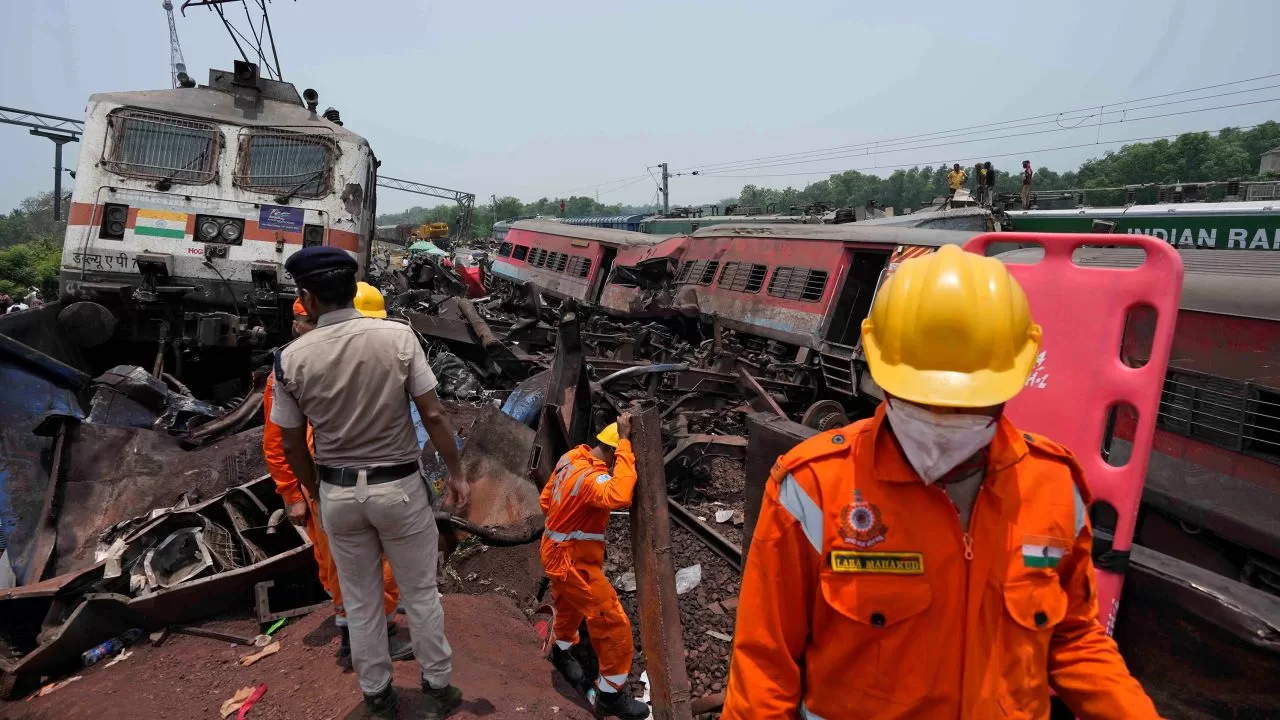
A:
508	208
1192	157
31	246
31	264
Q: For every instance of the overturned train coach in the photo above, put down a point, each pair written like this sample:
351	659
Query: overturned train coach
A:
188	202
787	300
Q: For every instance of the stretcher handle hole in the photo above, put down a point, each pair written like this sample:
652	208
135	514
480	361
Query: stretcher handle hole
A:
1138	336
1124	253
1122	423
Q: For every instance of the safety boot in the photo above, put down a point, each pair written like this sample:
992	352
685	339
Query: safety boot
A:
438	703
620	705
399	649
567	664
383	704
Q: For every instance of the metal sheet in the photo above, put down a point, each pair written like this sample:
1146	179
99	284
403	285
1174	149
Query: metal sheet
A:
768	438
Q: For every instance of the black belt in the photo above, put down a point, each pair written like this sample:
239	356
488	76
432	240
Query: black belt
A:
347	477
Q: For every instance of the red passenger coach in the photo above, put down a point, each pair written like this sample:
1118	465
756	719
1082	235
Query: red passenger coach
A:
563	261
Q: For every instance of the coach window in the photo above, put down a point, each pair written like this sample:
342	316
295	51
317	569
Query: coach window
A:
168	149
284	162
709	272
795	283
743	277
520	252
504	250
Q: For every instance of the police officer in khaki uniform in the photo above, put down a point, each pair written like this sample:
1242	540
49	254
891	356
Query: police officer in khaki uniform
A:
349	378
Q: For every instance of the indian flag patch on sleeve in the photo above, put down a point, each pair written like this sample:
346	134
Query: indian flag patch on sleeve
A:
1040	551
161	223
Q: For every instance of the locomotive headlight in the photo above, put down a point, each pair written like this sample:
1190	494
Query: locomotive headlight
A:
209	230
231	231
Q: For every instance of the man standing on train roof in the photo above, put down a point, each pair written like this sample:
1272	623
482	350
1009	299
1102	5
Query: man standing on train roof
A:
303	508
351	377
1026	184
586	484
932	561
955	180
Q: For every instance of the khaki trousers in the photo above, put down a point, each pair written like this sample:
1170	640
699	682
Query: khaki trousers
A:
365	522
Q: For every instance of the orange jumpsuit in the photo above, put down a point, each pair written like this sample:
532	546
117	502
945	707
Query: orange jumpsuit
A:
577	500
864	597
288	488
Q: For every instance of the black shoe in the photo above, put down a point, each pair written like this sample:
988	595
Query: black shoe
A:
568	666
616	704
383	704
344	650
399	649
439	703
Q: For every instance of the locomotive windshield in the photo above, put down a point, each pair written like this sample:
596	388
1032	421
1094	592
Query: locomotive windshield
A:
284	162
151	145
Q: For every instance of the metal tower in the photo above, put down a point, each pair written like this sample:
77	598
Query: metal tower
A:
176	63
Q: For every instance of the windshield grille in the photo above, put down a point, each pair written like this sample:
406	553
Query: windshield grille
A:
283	163
151	145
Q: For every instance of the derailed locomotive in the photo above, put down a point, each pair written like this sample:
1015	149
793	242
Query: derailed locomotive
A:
188	201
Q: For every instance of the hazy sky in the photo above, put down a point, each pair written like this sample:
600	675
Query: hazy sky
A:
555	98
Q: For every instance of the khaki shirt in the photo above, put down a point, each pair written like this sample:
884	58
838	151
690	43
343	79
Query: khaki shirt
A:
351	377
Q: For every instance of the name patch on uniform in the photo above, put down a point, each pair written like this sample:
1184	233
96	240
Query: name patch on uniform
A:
883	563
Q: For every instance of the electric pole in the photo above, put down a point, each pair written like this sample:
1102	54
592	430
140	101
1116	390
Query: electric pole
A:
666	191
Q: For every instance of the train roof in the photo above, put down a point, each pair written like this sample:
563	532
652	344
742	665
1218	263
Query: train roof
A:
1241	283
859	232
1163	210
584	220
217	105
585	232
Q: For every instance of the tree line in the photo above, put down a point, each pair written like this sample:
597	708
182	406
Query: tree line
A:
1192	157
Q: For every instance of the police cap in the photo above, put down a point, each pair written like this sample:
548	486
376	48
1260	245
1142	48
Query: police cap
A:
318	258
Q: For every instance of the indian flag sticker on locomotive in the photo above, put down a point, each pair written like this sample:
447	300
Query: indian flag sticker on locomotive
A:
860	523
161	223
883	563
1043	552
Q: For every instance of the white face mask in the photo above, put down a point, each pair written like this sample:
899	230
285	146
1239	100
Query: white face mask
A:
935	443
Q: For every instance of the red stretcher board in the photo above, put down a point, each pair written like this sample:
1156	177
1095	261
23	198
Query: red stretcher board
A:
1079	375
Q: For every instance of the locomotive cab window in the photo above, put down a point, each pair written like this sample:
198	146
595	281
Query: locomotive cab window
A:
162	147
285	162
504	250
520	252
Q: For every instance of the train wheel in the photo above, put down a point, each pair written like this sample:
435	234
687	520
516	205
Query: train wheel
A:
825	415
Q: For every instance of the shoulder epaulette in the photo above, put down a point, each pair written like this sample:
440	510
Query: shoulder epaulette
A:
825	444
1041	445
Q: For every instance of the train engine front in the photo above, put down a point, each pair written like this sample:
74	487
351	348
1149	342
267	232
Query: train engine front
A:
188	202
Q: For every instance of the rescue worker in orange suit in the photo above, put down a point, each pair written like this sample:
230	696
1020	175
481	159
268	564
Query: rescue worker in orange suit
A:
586	484
932	561
305	511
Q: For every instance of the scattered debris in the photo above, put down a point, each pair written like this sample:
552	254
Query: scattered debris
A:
688	578
720	636
46	689
723	516
232	704
271	649
626	582
124	655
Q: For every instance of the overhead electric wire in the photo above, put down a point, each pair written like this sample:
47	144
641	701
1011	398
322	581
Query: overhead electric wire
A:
985	156
719	173
994	126
603	184
898	147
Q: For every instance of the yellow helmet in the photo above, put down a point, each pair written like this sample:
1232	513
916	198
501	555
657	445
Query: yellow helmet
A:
609	436
369	301
953	329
